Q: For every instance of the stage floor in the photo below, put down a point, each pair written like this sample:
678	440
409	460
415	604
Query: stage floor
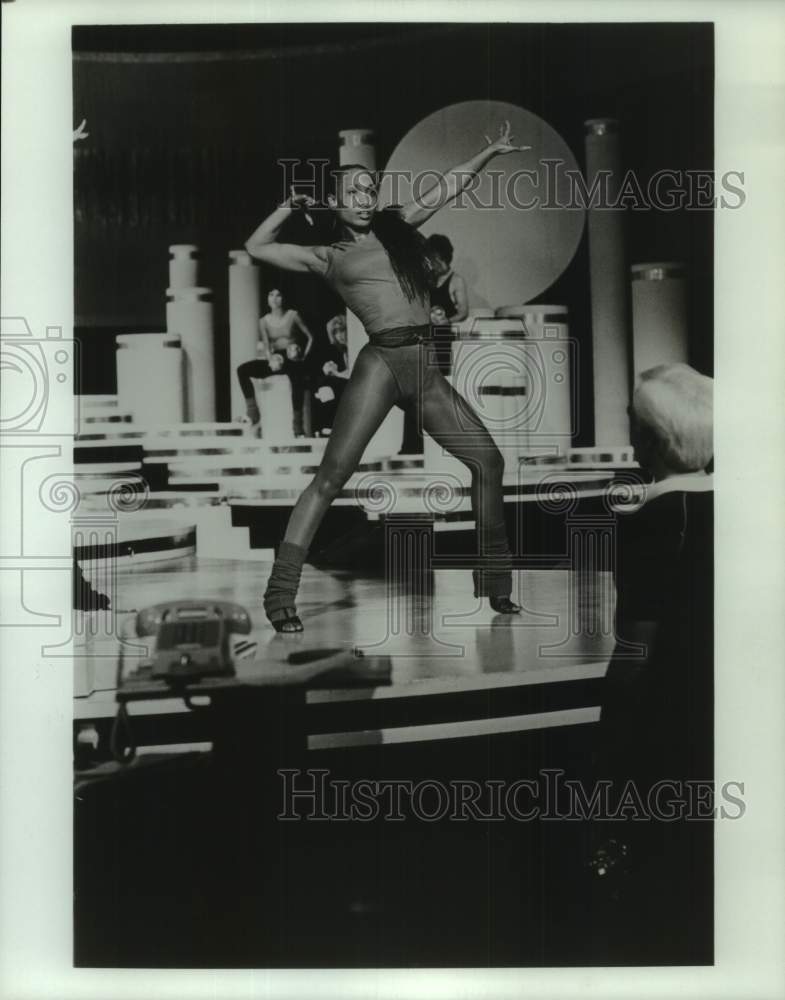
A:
449	644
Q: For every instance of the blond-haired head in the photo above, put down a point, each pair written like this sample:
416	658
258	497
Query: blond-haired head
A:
671	419
337	325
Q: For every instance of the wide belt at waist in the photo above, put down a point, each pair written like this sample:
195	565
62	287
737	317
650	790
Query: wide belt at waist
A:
400	336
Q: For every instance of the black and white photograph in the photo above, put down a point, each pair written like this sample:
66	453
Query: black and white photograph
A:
379	437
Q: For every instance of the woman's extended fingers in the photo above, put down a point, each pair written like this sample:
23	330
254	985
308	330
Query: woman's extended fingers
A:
80	131
301	200
505	143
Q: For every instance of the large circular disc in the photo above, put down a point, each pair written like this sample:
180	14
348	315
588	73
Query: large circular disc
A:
507	253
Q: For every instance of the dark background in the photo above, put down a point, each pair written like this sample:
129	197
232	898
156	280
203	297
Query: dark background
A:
186	124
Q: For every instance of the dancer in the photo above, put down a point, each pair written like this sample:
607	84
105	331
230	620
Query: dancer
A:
337	354
378	265
449	301
335	374
285	356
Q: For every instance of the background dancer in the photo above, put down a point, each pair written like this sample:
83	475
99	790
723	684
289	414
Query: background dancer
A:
378	265
449	301
278	330
334	374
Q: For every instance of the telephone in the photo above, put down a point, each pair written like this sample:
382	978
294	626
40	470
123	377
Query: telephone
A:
193	639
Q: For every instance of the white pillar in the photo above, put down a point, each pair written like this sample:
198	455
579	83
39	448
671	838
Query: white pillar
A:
150	378
659	315
274	399
491	370
244	312
357	147
183	265
609	287
189	312
550	360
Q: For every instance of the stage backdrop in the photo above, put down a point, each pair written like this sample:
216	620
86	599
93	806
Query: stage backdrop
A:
186	124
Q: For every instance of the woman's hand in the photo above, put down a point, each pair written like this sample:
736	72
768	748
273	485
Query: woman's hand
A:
80	131
438	316
324	394
300	202
504	143
330	368
293	352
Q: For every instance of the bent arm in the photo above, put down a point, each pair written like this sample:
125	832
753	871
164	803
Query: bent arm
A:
460	299
262	245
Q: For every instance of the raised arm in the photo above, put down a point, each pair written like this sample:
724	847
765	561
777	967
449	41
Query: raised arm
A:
288	256
456	180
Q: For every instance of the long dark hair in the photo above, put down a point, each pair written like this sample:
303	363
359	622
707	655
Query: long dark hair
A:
405	246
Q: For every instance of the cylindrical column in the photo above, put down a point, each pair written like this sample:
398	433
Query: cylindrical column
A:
274	399
659	315
189	312
183	265
244	312
466	325
491	370
550	359
514	389
609	285
150	378
357	147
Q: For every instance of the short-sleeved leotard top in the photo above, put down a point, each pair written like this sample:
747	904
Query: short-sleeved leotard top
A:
280	334
362	274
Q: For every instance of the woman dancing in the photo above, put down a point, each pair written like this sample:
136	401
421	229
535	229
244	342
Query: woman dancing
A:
284	354
378	265
335	373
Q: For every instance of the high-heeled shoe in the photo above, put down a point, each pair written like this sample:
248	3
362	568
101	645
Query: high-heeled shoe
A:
285	620
504	606
281	592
